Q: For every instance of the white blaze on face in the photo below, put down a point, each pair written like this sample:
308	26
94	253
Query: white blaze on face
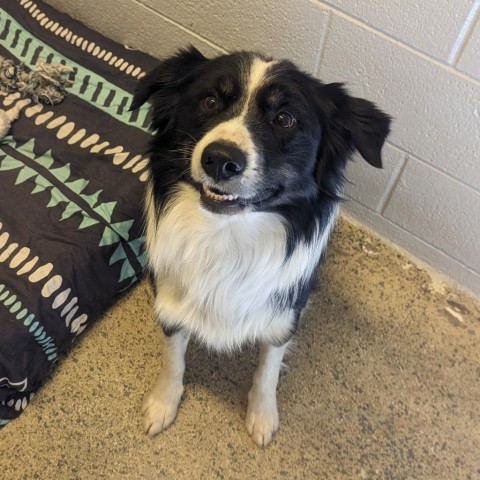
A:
235	130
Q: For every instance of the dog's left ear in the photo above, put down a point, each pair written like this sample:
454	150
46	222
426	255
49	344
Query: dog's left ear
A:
348	124
369	128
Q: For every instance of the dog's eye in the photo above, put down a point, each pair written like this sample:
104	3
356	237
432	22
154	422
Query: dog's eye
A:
285	120
210	104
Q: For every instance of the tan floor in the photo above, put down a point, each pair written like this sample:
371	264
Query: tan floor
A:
384	383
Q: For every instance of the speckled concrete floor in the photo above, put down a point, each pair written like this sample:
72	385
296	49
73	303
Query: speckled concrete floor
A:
384	383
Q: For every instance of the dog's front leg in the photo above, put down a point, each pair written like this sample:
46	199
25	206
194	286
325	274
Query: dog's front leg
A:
262	415
160	408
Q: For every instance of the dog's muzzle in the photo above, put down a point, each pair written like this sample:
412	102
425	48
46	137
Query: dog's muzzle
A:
224	163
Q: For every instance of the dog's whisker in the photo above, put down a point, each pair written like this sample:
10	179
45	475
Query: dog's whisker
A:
188	134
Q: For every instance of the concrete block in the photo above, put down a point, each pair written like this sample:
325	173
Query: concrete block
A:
371	186
438	209
470	59
431	27
131	24
282	29
435	111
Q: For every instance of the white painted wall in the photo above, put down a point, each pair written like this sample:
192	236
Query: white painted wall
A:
419	60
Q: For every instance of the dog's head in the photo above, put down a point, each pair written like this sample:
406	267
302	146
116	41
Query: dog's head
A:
251	133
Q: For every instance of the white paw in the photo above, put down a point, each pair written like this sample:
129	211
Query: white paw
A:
262	420
160	409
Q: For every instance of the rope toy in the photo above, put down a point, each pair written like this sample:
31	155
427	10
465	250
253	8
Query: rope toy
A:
45	84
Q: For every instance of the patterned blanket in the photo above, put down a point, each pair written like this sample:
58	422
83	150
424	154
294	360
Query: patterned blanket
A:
71	183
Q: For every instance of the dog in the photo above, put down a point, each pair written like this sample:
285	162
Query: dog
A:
246	169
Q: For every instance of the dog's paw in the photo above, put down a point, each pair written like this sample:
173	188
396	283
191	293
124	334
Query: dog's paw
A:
262	420
160	409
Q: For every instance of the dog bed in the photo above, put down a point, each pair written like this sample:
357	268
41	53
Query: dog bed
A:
71	183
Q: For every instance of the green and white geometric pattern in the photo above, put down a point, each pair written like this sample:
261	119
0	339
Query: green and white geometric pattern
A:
67	194
16	307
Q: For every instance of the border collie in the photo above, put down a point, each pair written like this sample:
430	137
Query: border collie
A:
246	167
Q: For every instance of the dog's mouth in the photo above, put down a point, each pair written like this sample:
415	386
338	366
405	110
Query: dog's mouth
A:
218	201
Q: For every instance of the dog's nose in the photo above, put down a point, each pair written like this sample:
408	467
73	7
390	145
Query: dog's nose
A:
222	161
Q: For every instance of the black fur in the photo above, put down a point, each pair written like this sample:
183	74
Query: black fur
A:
303	165
330	125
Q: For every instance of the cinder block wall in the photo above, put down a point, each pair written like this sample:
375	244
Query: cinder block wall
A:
420	61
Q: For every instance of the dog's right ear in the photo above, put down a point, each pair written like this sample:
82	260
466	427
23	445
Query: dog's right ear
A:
165	84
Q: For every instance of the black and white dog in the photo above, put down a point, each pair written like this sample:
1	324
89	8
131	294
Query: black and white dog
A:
246	171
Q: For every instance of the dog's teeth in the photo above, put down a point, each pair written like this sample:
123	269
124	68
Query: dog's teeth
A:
220	198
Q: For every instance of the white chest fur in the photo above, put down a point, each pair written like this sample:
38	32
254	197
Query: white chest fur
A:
217	275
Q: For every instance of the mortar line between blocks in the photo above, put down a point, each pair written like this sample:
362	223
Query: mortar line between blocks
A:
391	186
433	166
182	28
465	34
400	43
323	42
